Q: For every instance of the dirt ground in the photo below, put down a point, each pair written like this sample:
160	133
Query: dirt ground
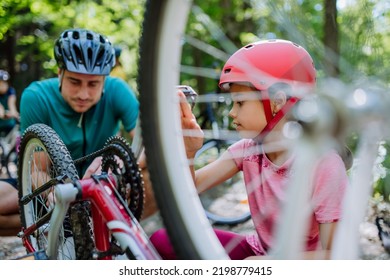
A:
234	201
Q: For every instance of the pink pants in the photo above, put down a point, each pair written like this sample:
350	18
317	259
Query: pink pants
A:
235	244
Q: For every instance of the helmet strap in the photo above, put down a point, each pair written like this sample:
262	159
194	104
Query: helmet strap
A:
275	119
265	99
61	78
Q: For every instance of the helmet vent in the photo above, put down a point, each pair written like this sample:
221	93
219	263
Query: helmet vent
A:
227	70
249	46
89	36
90	53
100	58
76	35
77	54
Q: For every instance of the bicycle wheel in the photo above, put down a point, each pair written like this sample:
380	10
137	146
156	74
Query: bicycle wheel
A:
43	159
234	207
190	231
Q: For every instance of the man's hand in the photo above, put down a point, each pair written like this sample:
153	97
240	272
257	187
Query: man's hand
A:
93	168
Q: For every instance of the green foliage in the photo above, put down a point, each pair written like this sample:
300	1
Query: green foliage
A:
382	184
230	24
363	39
382	188
29	28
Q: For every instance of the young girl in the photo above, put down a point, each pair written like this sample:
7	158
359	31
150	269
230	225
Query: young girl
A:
265	80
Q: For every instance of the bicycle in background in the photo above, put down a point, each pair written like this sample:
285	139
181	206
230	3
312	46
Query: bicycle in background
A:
8	152
218	137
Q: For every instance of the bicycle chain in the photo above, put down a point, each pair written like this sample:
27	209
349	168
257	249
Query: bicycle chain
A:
130	181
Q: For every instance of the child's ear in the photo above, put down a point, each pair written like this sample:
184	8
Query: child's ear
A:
278	101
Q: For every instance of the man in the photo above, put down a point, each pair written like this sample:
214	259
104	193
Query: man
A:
83	105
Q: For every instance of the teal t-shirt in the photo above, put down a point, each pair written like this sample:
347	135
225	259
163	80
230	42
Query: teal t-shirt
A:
42	102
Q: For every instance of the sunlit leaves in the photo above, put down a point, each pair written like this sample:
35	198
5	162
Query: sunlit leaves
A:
34	25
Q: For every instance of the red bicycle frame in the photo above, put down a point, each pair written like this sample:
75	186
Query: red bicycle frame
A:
111	215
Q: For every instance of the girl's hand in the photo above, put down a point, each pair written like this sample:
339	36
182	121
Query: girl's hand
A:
193	134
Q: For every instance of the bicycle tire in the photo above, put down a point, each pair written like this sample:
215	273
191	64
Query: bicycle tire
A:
42	138
190	232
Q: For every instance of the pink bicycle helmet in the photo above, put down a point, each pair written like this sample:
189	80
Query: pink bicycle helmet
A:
267	63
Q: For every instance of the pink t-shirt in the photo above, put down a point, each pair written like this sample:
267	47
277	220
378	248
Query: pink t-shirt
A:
266	187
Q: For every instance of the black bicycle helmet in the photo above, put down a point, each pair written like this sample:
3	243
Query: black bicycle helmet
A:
4	76
84	51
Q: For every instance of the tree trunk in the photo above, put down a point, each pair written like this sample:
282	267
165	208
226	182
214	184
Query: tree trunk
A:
331	39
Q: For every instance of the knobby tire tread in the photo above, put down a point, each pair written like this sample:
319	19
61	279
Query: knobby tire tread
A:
63	164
